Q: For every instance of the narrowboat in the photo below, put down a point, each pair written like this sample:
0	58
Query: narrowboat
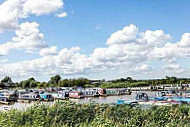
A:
124	92
171	93
91	93
112	92
46	97
61	94
102	92
76	94
160	96
127	102
184	100
7	98
28	97
142	97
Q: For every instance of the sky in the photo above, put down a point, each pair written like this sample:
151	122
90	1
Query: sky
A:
102	39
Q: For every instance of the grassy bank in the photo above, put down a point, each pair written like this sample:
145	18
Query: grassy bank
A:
71	114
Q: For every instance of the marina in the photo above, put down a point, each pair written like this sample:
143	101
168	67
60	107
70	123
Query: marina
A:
28	98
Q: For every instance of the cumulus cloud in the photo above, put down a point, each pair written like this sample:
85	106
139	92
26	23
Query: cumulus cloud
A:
143	67
28	38
41	7
61	15
48	51
171	66
127	35
13	10
127	51
67	61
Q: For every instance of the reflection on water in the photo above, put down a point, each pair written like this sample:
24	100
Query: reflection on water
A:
109	99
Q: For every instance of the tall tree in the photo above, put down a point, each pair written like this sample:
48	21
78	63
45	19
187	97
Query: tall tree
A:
7	79
55	79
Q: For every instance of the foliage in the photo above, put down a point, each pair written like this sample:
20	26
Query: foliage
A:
57	81
67	113
6	80
31	82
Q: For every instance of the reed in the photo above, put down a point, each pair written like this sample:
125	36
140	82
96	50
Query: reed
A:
65	113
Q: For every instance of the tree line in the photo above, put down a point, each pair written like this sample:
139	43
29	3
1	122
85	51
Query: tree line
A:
57	81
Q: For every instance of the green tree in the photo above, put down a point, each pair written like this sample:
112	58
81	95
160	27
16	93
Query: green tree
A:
129	79
7	80
55	80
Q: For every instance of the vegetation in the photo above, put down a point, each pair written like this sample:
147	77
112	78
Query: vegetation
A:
6	79
57	81
67	113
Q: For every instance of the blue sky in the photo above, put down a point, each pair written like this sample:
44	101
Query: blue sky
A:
90	23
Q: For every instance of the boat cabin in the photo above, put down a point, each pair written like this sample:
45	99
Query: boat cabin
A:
61	94
29	96
46	96
7	97
91	93
102	92
124	92
76	94
142	97
112	92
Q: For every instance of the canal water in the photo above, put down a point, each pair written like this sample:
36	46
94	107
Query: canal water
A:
108	99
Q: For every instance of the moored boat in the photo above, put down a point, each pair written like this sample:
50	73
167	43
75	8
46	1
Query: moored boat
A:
91	93
127	102
76	94
28	97
112	92
64	94
142	96
46	97
125	92
171	93
7	97
102	92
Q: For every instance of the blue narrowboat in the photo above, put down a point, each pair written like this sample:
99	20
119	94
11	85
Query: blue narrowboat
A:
46	97
127	102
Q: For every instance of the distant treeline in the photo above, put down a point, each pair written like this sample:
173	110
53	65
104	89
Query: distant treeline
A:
57	81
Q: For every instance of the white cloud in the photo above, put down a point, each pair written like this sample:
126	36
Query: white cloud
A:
48	51
61	15
167	53
127	35
66	61
128	51
185	40
171	66
3	60
9	14
13	10
143	67
41	7
28	38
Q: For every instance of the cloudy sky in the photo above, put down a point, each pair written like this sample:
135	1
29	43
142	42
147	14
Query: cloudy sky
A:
102	39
